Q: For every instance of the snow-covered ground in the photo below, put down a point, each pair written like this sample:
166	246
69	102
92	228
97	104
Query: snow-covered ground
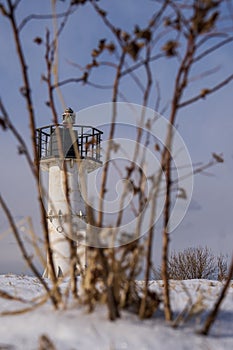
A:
74	329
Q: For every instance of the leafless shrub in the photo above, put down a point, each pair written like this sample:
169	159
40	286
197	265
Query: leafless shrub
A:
192	263
222	267
195	263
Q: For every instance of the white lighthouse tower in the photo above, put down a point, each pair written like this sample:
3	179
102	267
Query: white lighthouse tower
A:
68	152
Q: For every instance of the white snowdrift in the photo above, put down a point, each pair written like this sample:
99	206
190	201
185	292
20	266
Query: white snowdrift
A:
74	329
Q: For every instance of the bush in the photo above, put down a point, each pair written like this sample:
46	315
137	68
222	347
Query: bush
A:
195	263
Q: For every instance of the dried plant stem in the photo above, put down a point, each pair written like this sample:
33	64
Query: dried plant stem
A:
26	309
53	295
113	311
180	85
26	92
111	135
56	60
213	314
49	58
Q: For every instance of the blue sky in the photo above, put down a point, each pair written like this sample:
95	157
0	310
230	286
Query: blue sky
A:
206	126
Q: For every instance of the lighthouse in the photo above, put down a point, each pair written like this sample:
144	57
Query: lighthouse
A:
68	153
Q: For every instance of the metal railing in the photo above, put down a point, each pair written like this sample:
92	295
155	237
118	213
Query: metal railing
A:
79	141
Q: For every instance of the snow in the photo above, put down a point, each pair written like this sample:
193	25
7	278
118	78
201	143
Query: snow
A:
75	329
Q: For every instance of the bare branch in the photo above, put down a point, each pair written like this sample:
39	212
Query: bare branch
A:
204	74
111	134
44	17
18	137
27	95
212	49
205	92
141	63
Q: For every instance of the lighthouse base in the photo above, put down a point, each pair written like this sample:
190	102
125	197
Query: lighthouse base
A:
62	258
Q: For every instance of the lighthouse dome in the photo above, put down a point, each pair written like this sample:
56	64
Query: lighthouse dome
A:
68	117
